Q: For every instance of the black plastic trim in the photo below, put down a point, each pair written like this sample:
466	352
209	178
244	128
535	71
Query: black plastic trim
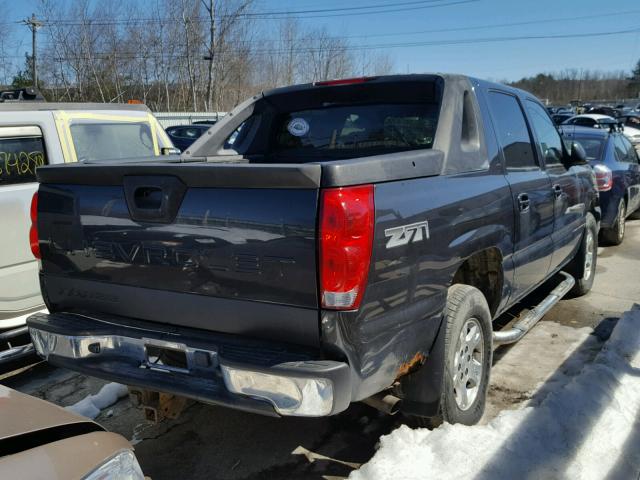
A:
193	174
382	168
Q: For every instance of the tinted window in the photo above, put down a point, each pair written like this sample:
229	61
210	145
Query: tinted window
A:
112	141
19	158
585	122
633	122
355	130
592	146
512	131
548	136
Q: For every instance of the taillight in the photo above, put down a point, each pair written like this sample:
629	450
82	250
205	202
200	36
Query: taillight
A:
33	232
346	239
604	177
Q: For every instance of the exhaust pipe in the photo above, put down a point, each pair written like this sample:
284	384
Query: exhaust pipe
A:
384	402
522	326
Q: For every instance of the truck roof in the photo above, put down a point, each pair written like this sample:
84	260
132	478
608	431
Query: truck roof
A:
53	106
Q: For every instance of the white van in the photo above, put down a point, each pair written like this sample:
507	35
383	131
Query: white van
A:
33	134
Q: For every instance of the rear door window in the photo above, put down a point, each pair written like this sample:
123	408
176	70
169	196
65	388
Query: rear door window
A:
21	152
512	131
355	130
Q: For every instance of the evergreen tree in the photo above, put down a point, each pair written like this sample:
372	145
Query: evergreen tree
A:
23	77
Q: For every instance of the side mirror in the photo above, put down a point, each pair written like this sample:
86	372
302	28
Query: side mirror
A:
577	155
169	151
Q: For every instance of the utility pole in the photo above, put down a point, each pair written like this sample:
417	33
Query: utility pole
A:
33	24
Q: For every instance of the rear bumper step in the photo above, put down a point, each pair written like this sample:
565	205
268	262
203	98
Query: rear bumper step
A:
254	376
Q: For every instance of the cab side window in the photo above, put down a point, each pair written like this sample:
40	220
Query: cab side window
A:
21	152
512	131
548	136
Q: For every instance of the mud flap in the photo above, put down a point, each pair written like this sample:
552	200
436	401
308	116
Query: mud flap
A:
422	389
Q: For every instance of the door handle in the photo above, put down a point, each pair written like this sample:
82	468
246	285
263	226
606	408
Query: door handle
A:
523	202
558	191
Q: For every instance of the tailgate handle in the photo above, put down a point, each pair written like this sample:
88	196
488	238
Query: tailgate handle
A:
148	197
153	198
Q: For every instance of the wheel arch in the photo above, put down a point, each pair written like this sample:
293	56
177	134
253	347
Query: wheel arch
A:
483	270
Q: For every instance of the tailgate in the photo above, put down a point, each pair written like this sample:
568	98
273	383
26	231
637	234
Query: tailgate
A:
234	260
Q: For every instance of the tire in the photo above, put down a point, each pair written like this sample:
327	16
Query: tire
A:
466	311
615	234
583	265
635	215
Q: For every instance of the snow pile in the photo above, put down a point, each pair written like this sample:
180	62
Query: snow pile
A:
587	429
91	405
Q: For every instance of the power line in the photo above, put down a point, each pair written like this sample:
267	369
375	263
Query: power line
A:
467	28
377	46
280	15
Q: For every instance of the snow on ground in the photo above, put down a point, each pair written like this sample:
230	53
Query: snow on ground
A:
587	429
91	405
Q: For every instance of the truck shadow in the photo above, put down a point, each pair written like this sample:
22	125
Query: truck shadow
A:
212	442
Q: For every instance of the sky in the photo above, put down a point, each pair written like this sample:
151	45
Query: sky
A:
473	37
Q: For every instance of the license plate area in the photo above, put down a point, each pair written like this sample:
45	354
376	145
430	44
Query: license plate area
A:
166	358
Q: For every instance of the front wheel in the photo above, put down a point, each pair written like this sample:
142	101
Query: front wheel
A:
468	356
615	234
583	265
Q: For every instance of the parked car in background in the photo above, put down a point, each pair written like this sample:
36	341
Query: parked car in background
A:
605	122
183	136
354	243
630	120
559	118
39	440
615	163
37	133
604	110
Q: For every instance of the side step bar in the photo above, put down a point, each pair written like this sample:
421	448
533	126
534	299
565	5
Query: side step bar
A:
522	326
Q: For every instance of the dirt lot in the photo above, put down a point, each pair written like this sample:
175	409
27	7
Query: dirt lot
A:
210	442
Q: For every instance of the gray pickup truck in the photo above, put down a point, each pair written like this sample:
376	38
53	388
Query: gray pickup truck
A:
323	244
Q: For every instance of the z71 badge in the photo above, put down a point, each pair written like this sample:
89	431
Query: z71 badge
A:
405	234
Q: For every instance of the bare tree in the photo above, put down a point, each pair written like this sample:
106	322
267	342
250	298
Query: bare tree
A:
185	54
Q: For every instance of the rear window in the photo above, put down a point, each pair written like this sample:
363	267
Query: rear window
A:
112	141
593	146
355	130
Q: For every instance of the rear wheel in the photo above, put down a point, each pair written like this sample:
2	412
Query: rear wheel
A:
468	357
583	265
615	234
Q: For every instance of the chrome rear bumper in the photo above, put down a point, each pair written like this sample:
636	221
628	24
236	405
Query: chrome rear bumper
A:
256	376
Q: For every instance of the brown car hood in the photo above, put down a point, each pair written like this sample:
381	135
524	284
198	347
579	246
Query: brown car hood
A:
22	414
